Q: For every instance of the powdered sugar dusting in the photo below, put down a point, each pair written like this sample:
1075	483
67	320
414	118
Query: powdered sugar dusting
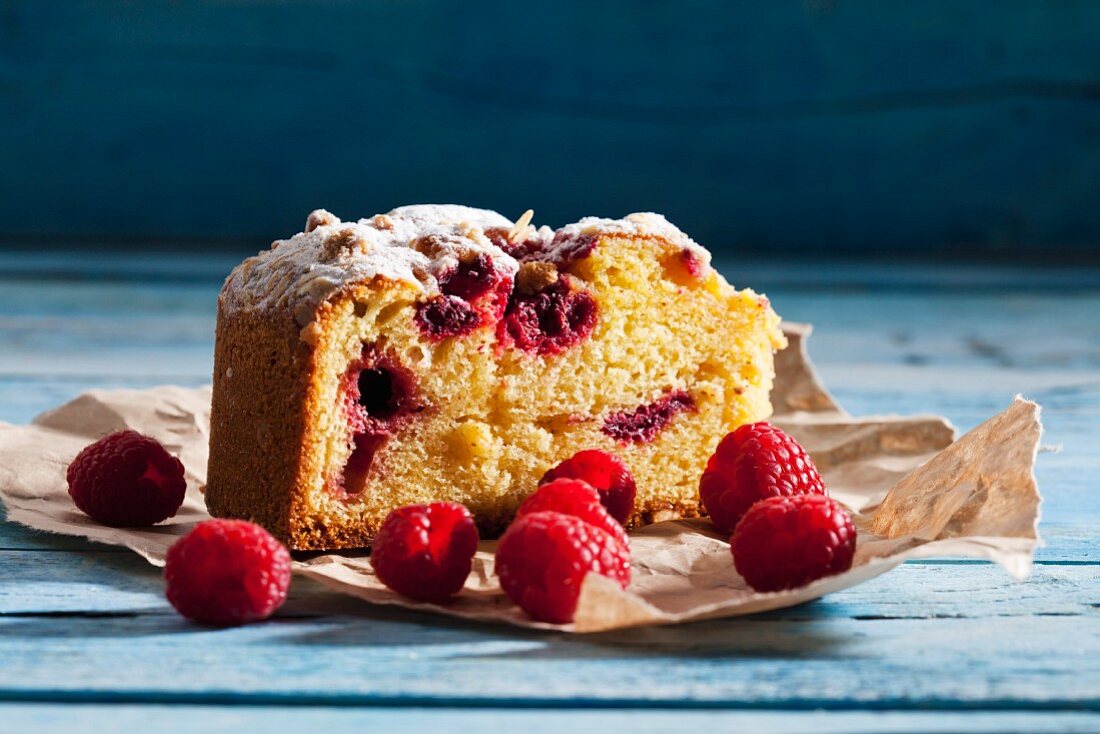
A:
411	244
639	224
416	245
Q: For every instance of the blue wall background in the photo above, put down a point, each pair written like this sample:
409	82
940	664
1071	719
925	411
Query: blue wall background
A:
862	126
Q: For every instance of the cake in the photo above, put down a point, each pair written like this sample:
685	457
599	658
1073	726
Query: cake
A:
447	353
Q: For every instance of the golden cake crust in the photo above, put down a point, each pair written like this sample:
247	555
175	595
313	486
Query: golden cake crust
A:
257	418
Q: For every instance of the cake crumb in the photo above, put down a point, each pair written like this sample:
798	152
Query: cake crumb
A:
470	440
534	276
664	515
311	333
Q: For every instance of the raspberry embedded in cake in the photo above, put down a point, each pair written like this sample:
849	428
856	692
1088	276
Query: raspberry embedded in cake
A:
446	354
644	423
444	316
379	397
569	247
475	279
472	294
549	321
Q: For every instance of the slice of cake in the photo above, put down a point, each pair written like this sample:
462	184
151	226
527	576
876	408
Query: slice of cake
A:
446	353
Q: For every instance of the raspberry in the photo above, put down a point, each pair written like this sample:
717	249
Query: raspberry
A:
787	542
607	473
380	395
472	281
752	463
543	558
425	551
126	479
227	572
550	321
574	497
642	424
473	293
446	316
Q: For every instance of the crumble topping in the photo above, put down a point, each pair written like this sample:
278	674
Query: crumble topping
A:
305	270
419	245
639	224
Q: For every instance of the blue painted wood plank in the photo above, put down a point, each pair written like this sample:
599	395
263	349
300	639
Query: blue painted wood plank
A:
102	581
80	622
127	718
872	123
987	663
1073	543
15	537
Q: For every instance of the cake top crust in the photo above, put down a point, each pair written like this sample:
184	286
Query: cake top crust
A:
639	224
416	245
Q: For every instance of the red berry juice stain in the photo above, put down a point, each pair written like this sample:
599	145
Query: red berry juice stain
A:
692	263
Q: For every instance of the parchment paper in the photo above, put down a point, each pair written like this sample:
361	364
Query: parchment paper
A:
913	492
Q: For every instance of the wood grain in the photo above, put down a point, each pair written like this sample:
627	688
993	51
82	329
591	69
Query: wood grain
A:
763	662
800	126
939	645
125	718
100	580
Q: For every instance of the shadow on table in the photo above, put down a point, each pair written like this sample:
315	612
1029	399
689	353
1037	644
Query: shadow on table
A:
803	631
127	600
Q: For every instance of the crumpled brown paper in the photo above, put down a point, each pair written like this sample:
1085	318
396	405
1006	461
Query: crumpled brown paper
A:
913	493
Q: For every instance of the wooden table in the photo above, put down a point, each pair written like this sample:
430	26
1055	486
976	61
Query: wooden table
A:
945	645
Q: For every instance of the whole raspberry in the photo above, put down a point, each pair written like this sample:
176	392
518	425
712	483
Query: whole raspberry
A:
607	473
126	479
227	572
543	558
752	463
577	498
425	551
787	542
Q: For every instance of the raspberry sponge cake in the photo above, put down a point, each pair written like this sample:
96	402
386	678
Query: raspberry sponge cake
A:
447	353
